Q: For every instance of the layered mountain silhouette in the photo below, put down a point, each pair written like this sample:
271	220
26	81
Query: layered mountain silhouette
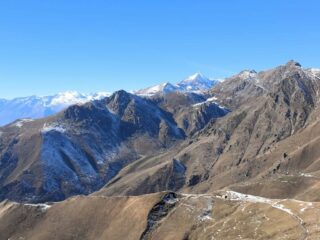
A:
194	83
83	147
35	107
267	109
244	150
39	107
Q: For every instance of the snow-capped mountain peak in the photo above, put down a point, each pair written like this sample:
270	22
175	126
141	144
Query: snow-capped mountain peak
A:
99	95
314	71
194	83
194	77
73	97
247	74
66	98
161	88
166	87
38	107
197	82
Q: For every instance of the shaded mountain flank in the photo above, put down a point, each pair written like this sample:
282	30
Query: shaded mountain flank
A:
250	145
80	149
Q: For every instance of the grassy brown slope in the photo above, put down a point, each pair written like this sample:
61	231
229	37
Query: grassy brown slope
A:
188	216
295	173
78	218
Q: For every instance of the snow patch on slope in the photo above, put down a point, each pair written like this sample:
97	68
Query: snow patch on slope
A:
42	206
20	123
248	74
211	100
306	175
313	72
207	212
236	196
68	161
53	127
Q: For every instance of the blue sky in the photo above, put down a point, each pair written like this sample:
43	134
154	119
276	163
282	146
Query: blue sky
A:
47	46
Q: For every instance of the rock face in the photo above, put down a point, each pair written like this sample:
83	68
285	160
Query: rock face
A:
191	111
80	149
271	111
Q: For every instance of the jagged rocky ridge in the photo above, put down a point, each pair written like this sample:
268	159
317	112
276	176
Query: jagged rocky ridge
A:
247	147
80	149
34	107
241	161
228	137
194	83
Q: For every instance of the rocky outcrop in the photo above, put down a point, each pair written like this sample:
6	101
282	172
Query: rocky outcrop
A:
281	104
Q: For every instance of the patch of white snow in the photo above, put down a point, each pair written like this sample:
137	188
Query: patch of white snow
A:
42	206
20	123
54	127
306	175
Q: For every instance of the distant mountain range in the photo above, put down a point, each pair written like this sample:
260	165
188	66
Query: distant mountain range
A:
194	83
37	107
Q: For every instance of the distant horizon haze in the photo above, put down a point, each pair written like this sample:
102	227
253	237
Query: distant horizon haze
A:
48	47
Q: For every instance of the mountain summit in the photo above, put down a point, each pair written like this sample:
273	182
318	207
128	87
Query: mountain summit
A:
37	107
194	83
197	82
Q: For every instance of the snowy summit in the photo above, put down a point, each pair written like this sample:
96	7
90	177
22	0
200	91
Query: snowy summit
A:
194	83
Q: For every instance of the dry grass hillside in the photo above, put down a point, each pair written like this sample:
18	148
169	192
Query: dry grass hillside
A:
166	215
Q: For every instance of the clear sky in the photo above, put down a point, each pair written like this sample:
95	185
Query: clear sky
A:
48	46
